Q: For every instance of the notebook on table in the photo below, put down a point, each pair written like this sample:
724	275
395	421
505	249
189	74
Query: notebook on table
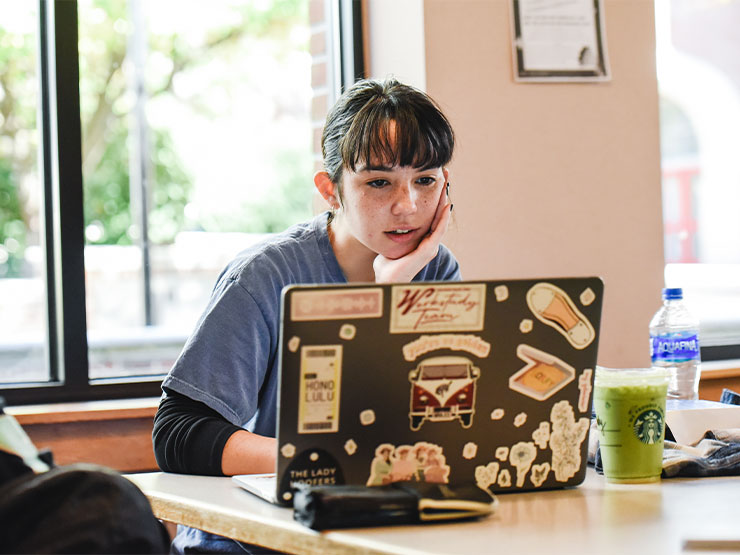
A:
441	382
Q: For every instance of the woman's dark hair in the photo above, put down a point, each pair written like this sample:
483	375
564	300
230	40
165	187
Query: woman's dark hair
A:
358	129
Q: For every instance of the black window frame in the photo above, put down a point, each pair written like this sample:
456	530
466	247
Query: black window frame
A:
63	238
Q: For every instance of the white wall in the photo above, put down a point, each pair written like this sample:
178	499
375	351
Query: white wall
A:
548	179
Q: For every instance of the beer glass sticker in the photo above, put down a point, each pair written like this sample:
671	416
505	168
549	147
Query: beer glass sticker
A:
552	306
437	307
321	374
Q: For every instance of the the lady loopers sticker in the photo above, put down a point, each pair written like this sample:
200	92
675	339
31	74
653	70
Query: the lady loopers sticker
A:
318	403
437	307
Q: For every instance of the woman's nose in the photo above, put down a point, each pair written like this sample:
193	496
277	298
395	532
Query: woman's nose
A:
404	201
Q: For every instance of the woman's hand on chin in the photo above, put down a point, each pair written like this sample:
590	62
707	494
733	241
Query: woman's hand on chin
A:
403	269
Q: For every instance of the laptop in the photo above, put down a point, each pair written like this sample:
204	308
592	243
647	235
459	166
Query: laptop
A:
441	382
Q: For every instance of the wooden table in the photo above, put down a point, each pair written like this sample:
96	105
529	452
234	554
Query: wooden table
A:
677	515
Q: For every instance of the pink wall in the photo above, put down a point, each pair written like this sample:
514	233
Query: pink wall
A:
554	179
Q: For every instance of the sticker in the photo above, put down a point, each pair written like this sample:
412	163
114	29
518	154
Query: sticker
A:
501	292
470	450
543	376
584	385
288	450
502	453
422	462
315	467
318	401
525	326
367	417
504	478
565	440
539	473
435	469
336	305
520	419
542	435
350	447
380	468
587	296
294	343
522	455
552	306
403	464
443	389
347	332
497	414
287	495
437	307
456	342
486	475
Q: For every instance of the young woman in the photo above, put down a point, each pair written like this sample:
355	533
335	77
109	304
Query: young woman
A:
385	147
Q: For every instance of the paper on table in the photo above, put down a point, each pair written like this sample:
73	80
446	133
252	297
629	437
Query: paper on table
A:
690	420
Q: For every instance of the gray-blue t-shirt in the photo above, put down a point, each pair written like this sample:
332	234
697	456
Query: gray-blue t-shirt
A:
230	360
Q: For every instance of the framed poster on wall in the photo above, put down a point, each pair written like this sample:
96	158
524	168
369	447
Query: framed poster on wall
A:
559	40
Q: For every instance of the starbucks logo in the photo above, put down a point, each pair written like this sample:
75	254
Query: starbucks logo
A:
648	426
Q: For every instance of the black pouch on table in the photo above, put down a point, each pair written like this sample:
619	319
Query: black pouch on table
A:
323	507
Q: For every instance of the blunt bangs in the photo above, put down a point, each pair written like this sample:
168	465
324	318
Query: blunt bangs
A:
422	137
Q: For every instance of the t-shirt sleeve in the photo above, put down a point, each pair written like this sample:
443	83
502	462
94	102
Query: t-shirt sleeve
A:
444	267
225	361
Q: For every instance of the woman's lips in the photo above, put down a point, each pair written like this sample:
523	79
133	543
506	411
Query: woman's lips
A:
401	235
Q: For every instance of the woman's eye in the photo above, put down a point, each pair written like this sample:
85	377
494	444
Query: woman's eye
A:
426	181
377	183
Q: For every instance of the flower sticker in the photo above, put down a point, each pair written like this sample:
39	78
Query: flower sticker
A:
470	450
520	419
501	292
542	435
347	332
525	326
497	414
367	417
486	475
288	450
521	456
504	478
587	296
350	447
502	453
294	343
539	473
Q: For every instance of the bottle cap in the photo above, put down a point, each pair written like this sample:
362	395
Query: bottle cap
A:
672	293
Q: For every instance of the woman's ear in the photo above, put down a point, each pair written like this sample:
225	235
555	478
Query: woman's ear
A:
327	189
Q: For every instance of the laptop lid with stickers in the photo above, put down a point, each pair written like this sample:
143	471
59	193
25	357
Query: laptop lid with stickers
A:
443	382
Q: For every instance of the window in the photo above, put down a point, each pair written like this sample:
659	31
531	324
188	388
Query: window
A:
22	282
699	83
164	138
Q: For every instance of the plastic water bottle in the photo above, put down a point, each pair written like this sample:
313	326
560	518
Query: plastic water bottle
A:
674	345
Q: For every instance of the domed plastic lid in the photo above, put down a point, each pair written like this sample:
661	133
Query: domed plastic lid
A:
672	293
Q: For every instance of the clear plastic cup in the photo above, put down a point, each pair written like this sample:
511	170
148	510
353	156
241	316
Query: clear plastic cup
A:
630	417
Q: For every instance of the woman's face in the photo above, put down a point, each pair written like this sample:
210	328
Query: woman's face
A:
390	209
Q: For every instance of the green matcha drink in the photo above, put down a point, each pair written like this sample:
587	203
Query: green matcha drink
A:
630	416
